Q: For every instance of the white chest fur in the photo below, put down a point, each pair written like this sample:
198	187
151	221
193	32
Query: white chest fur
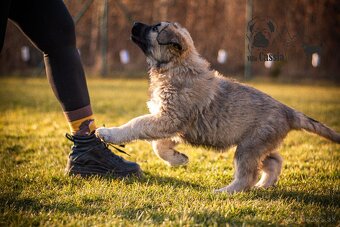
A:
155	102
154	106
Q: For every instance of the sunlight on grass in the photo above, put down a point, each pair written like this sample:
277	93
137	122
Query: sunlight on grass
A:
35	191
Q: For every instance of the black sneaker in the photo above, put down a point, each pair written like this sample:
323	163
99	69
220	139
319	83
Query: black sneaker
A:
92	157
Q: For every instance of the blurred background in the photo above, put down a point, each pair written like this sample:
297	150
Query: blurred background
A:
305	34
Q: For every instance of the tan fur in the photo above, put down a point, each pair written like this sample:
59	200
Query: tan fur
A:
193	104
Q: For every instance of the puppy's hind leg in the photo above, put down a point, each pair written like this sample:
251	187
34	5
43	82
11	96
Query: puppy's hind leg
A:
247	160
164	149
271	169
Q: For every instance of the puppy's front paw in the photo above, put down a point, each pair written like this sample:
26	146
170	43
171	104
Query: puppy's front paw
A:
104	134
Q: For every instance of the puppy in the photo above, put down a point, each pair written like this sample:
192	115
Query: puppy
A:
192	103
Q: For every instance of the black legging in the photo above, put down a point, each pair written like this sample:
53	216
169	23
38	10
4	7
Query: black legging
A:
48	24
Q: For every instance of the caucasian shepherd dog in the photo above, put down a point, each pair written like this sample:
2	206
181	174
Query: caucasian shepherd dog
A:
194	104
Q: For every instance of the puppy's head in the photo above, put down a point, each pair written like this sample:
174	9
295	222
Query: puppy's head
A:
163	42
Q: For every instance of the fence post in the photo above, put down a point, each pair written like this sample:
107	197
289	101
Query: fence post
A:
247	50
104	38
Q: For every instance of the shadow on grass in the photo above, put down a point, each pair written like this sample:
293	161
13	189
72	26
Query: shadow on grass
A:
152	212
167	181
32	212
149	179
34	205
209	218
146	178
13	204
325	200
148	213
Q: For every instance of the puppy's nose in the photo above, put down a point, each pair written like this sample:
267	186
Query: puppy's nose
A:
138	28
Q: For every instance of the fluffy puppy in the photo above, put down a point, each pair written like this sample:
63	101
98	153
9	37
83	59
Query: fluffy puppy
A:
194	104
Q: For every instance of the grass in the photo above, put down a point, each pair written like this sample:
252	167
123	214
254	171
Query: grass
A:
35	191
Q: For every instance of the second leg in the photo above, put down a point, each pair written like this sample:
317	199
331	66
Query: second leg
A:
164	149
271	169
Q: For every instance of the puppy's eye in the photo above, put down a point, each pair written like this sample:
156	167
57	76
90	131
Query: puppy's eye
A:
154	29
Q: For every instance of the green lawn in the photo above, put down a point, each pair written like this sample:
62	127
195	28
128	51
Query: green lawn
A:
35	191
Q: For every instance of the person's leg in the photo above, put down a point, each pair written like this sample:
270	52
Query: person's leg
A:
50	27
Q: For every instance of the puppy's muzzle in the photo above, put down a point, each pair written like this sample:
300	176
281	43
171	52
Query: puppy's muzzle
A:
139	35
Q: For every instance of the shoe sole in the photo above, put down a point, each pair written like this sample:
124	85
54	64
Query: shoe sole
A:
85	173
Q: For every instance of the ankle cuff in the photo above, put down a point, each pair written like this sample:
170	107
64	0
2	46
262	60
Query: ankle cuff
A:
78	114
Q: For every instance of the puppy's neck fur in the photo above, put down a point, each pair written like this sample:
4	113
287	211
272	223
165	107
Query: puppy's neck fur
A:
182	66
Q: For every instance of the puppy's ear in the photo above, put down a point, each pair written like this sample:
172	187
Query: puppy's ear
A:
169	37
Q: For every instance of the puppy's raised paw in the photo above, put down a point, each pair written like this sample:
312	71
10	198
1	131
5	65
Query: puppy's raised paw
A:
104	134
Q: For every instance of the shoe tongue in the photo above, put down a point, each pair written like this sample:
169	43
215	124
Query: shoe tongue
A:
85	128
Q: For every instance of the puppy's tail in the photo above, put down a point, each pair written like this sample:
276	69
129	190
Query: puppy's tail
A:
301	121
